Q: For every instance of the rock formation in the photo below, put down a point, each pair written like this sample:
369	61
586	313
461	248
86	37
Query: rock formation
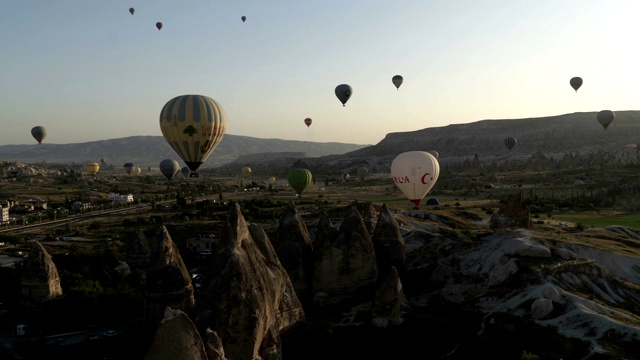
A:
213	345
250	298
168	280
389	244
514	214
139	254
40	278
388	302
176	339
294	248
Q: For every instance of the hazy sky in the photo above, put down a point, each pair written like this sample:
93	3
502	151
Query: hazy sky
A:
89	70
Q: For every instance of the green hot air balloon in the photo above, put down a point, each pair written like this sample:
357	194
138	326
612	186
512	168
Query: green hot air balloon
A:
193	125
299	179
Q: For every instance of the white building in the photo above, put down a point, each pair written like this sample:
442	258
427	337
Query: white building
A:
4	218
115	197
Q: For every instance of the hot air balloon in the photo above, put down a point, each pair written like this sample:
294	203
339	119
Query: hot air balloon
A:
605	118
136	171
39	133
132	10
415	173
272	180
169	168
193	125
185	171
362	171
575	83
299	179
510	142
244	18
345	177
343	92
434	153
128	167
308	121
245	171
93	168
159	25
397	81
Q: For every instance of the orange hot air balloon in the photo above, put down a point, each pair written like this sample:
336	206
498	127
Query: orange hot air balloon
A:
159	25
308	121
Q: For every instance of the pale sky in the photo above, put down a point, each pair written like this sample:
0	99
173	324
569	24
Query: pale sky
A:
89	70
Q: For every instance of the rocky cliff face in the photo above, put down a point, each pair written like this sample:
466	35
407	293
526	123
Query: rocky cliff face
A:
168	280
176	339
249	298
40	278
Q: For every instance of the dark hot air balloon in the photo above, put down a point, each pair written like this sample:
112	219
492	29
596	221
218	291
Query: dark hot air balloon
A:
132	10
397	81
308	121
244	18
128	167
605	118
510	142
575	83
39	133
169	168
343	92
159	25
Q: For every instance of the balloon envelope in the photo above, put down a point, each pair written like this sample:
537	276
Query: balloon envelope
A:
299	179
510	142
575	83
246	171
132	10
193	125
93	168
128	167
272	180
605	118
244	18
434	153
308	121
343	92
362	171
169	168
415	173
136	171
159	25
185	171
39	133
397	81
345	177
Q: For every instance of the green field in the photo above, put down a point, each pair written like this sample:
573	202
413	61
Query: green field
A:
601	218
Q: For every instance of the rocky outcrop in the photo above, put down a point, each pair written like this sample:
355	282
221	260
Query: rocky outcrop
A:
294	248
139	253
250	297
388	302
40	279
213	345
176	339
349	265
168	280
389	244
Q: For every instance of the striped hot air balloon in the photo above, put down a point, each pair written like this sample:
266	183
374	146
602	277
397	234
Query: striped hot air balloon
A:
193	125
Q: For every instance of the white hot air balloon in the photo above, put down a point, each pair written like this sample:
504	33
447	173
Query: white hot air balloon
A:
415	173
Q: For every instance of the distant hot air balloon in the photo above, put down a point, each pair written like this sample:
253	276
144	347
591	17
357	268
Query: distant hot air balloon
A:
136	171
169	168
308	121
159	25
415	173
434	153
299	179
193	125
39	133
510	142
246	171
244	18
185	171
575	83
362	171
397	81
272	180
132	10
93	168
605	118
345	177
128	167
343	92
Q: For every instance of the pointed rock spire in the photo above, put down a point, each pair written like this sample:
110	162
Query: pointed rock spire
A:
40	278
388	302
389	244
176	339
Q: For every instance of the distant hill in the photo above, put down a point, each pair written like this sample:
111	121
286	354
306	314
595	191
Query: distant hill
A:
148	151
